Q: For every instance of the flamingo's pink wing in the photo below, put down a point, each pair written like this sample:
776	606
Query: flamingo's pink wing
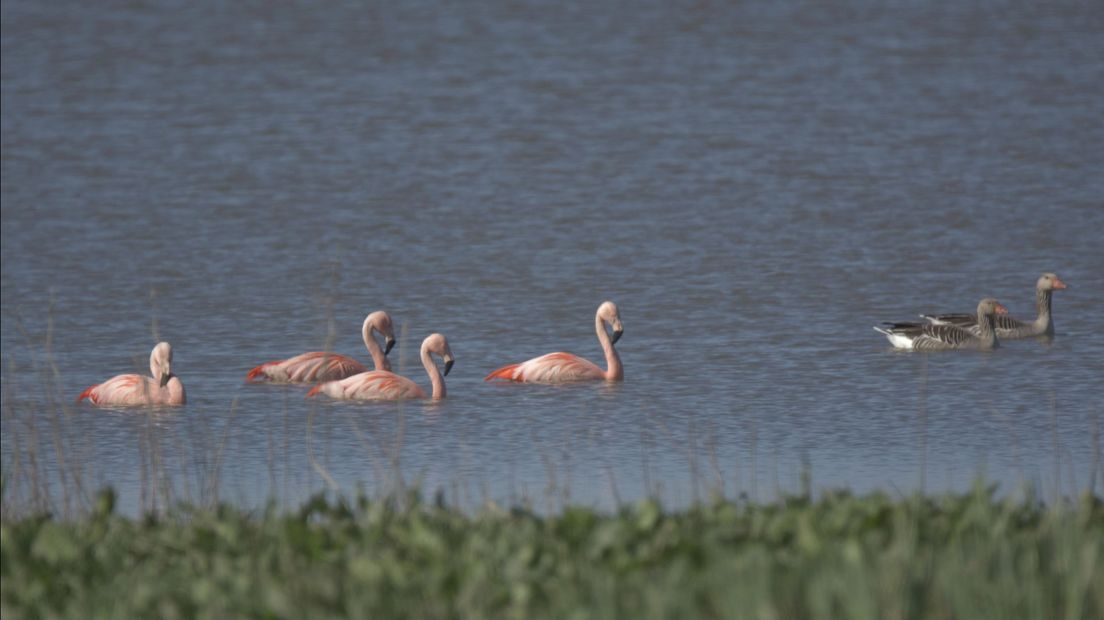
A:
316	366
121	390
558	367
371	385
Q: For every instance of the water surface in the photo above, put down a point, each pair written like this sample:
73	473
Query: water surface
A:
755	186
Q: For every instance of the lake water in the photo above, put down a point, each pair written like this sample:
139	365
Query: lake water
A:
754	185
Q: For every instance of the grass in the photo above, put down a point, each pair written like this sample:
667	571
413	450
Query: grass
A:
952	556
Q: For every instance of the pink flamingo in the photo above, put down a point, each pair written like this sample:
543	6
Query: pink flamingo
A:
386	385
163	388
566	367
320	366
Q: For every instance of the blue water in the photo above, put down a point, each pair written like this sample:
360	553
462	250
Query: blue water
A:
755	186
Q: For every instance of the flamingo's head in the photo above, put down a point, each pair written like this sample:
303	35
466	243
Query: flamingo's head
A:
1050	282
380	322
161	363
437	344
609	314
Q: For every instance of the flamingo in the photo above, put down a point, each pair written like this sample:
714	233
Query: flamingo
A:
565	367
162	388
321	366
386	385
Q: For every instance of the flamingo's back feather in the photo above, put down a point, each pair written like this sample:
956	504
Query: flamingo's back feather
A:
506	372
130	389
559	367
89	392
259	371
370	385
316	366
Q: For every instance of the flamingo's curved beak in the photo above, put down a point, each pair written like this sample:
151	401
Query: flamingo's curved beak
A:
616	335
448	365
165	378
388	345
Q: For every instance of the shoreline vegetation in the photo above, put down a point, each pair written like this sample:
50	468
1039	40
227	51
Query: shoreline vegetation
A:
955	555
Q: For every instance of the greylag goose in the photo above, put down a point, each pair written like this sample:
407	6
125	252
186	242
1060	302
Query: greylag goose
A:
1006	326
928	337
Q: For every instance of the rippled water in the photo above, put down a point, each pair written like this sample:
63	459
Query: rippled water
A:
755	186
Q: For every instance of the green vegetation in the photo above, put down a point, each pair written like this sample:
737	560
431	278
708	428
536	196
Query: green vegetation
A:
840	556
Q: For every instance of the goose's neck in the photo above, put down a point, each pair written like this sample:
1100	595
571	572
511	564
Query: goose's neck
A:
614	372
435	378
1042	305
378	358
987	329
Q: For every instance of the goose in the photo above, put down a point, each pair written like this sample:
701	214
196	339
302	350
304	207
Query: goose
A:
1006	326
928	337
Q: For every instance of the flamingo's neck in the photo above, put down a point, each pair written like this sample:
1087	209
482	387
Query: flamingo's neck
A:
174	391
378	358
157	392
614	372
1042	305
435	377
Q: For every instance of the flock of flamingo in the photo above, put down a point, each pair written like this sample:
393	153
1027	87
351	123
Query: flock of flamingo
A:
341	377
344	378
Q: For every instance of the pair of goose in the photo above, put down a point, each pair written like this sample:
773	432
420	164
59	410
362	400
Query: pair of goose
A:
344	378
981	331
